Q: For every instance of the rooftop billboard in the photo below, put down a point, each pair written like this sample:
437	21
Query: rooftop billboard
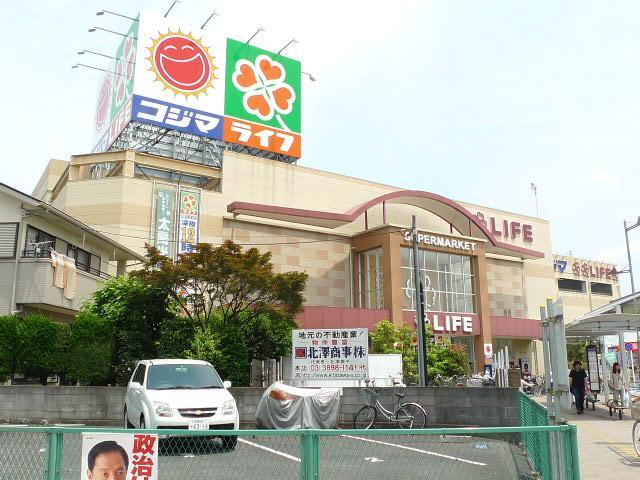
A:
194	81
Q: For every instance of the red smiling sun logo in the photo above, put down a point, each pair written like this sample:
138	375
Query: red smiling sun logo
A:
182	63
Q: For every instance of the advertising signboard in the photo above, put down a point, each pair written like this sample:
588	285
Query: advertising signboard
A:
330	354
123	456
199	82
593	368
113	109
189	223
165	224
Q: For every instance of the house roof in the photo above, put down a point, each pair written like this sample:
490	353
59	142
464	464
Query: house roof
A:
31	203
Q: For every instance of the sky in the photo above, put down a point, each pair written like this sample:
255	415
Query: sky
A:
471	100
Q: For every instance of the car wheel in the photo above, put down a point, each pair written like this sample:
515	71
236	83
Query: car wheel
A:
229	442
127	423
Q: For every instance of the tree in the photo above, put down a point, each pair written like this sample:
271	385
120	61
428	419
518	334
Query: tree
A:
90	349
42	346
8	346
136	311
241	285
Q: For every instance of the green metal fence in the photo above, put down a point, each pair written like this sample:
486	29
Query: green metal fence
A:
55	453
553	455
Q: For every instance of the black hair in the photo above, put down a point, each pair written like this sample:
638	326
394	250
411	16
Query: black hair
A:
615	367
577	362
106	447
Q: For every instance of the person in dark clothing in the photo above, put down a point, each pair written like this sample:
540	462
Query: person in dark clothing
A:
577	386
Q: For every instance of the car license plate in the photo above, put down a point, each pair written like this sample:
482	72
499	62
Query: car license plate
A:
199	424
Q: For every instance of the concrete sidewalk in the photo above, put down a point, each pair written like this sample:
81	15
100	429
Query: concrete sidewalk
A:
605	445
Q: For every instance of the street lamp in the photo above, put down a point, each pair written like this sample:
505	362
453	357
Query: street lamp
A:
82	52
102	12
93	29
95	68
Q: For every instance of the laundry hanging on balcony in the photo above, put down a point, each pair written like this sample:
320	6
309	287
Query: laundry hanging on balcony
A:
64	273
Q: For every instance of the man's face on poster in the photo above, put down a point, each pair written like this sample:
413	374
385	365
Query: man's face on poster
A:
108	466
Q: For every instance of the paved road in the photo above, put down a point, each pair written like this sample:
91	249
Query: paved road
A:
341	457
605	445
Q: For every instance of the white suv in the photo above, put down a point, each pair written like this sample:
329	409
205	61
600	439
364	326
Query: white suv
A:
182	394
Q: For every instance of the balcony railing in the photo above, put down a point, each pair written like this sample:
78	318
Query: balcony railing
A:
45	253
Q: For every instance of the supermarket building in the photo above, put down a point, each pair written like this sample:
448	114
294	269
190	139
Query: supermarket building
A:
486	271
183	156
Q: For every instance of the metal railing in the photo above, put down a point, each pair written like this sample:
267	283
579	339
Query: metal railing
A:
55	453
553	455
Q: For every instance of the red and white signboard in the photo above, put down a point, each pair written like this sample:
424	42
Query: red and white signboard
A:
121	456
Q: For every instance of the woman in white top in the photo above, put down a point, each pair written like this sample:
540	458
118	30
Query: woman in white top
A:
616	382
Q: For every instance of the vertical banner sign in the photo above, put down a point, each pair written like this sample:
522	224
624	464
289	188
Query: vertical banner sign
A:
125	456
189	224
165	212
330	354
593	368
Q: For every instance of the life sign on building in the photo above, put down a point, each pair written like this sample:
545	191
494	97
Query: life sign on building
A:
182	78
586	269
508	229
330	354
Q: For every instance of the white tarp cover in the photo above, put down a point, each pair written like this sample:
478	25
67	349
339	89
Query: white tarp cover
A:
285	407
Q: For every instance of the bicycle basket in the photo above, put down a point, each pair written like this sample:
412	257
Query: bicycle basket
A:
635	408
369	396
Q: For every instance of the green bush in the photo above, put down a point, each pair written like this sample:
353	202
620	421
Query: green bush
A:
8	346
42	346
225	347
176	337
90	349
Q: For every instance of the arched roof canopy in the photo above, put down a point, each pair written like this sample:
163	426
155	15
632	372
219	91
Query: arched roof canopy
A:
449	210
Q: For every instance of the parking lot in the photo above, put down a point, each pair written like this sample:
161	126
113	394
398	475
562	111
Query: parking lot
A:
278	457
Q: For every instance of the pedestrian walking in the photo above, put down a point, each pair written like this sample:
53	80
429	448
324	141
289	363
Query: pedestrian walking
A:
616	383
577	385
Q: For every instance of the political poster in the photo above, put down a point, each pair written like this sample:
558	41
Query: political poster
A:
119	456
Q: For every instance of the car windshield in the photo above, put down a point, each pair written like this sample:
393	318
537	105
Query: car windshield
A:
178	376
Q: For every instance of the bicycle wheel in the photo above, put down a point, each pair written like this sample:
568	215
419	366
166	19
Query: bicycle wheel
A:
365	417
636	436
411	415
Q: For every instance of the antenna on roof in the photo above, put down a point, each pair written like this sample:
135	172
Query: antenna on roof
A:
260	29
214	14
293	40
171	7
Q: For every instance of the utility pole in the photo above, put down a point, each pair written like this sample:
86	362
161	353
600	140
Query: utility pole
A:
633	288
420	308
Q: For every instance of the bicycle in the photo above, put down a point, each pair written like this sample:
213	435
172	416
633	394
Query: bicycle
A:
635	431
407	415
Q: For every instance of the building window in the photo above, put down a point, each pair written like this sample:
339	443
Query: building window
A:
85	261
447	281
601	288
38	243
570	285
370	279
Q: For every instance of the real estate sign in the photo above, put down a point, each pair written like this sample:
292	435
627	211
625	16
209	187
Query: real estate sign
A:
330	354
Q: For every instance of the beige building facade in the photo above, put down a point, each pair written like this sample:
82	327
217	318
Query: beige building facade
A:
483	272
